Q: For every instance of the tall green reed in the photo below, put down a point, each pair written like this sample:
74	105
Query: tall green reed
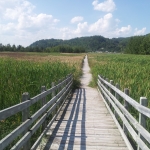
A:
130	71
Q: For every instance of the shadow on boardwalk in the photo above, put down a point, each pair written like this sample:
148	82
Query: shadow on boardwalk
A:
84	123
70	127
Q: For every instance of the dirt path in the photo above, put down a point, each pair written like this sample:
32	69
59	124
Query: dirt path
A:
87	76
84	122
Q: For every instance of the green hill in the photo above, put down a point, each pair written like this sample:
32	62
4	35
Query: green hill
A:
92	43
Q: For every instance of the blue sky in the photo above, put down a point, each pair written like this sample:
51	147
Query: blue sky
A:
23	22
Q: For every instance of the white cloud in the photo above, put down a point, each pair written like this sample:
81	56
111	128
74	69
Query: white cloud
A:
80	30
123	31
76	19
102	25
8	29
66	33
140	32
20	24
81	27
106	6
106	26
18	19
36	21
15	9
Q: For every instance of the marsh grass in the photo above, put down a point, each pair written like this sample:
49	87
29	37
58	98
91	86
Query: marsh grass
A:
130	71
25	72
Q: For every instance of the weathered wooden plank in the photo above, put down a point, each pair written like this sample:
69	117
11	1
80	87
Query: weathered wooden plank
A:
22	142
142	119
128	126
49	111
14	109
74	133
25	116
19	107
48	126
84	147
77	127
10	137
129	146
25	138
134	122
89	141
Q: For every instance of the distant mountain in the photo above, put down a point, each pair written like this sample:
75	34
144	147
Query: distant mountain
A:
130	45
92	43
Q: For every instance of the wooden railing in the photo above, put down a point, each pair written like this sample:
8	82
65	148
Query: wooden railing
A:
137	129
28	126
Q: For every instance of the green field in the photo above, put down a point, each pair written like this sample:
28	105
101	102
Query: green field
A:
17	77
27	72
130	71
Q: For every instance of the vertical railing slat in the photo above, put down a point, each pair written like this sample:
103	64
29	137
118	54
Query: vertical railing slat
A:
111	91
117	97
43	88
53	94
25	116
142	118
126	105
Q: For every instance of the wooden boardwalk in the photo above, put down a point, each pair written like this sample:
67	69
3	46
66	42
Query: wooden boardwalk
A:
84	123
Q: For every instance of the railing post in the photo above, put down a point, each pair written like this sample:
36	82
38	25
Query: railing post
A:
111	91
53	94
25	116
62	86
43	88
117	97
142	118
107	89
126	105
59	89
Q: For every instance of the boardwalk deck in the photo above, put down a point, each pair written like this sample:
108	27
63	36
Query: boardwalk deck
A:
84	122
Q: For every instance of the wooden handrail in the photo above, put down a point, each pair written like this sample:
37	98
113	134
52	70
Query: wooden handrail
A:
123	113
46	109
135	104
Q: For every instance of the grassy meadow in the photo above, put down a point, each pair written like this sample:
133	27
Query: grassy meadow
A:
130	71
27	72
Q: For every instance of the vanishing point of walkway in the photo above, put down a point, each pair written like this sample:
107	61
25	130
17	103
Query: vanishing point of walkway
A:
84	122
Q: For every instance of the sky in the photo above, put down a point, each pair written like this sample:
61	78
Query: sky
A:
23	22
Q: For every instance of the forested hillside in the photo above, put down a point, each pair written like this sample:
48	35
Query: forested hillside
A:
130	45
139	45
92	43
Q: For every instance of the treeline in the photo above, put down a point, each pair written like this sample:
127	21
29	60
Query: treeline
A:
61	49
139	45
91	44
65	49
12	48
130	45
